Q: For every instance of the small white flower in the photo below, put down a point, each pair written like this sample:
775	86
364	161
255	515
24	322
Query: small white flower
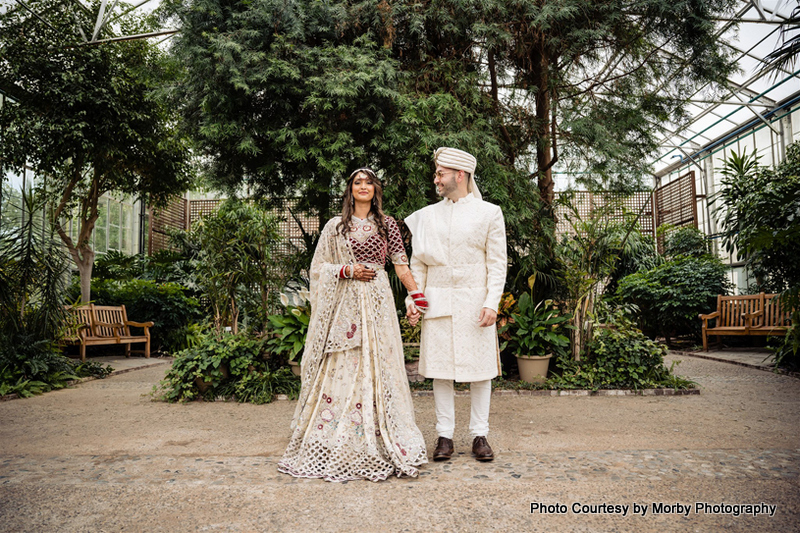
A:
305	295
284	300
296	312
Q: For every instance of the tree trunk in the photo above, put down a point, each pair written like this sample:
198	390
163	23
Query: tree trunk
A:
541	79
85	265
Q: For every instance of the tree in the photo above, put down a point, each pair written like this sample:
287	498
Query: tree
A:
758	211
235	263
86	118
600	76
287	97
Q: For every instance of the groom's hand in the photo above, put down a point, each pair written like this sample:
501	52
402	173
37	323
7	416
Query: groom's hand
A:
412	314
488	317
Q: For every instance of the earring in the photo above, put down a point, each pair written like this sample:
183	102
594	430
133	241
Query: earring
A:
352	201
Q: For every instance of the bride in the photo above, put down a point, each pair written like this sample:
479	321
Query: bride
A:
355	418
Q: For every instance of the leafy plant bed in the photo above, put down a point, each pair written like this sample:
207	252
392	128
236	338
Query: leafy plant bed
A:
237	367
53	374
551	387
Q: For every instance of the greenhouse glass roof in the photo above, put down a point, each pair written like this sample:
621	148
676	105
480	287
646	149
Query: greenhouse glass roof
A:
750	94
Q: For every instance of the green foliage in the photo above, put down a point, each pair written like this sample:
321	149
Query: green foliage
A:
408	332
687	240
786	354
162	266
286	98
29	366
538	329
87	117
759	212
166	304
228	366
287	332
620	357
234	264
33	267
92	369
672	295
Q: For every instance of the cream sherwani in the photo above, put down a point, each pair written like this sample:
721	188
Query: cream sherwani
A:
459	262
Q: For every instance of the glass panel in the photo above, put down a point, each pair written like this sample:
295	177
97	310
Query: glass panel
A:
100	240
102	210
113	212
113	238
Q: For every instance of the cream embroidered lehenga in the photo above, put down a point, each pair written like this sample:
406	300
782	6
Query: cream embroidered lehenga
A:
354	418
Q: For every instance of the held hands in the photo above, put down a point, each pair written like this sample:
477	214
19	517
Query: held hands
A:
488	317
412	314
415	309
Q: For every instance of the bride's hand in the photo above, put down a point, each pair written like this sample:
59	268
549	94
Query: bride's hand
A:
362	273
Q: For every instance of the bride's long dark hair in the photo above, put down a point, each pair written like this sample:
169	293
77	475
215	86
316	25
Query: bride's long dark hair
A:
376	208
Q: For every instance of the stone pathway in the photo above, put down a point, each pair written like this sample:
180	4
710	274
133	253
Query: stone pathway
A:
104	457
628	465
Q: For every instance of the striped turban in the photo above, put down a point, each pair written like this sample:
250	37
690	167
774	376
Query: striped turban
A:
458	160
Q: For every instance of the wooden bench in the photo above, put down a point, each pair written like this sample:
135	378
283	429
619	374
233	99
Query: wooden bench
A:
93	325
751	314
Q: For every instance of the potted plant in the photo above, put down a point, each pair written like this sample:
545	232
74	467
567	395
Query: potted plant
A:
534	334
288	330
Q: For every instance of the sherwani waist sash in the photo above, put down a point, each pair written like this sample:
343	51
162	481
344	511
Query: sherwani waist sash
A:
445	281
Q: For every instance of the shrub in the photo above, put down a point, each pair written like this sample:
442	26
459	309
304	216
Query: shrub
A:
672	295
287	332
166	304
29	365
687	240
620	357
228	366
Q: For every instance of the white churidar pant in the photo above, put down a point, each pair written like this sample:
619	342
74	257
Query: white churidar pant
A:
480	393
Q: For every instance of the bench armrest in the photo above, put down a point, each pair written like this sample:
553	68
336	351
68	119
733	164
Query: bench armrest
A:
139	324
709	316
748	318
109	325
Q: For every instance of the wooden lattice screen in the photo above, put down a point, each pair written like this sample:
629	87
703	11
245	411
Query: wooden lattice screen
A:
183	214
174	216
676	204
587	202
201	208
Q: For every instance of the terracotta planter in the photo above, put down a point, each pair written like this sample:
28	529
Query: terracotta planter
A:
295	366
533	368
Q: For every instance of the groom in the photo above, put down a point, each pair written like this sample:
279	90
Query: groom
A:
459	262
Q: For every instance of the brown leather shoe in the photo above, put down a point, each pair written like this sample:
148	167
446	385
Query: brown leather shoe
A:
481	449
444	449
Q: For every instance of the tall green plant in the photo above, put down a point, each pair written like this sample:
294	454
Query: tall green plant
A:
235	264
590	256
757	208
759	212
33	274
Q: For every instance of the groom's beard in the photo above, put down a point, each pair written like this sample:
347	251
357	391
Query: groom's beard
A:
445	189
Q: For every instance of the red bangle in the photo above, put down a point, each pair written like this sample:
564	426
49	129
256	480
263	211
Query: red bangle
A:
343	272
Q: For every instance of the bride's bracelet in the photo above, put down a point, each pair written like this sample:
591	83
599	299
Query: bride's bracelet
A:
420	301
343	272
